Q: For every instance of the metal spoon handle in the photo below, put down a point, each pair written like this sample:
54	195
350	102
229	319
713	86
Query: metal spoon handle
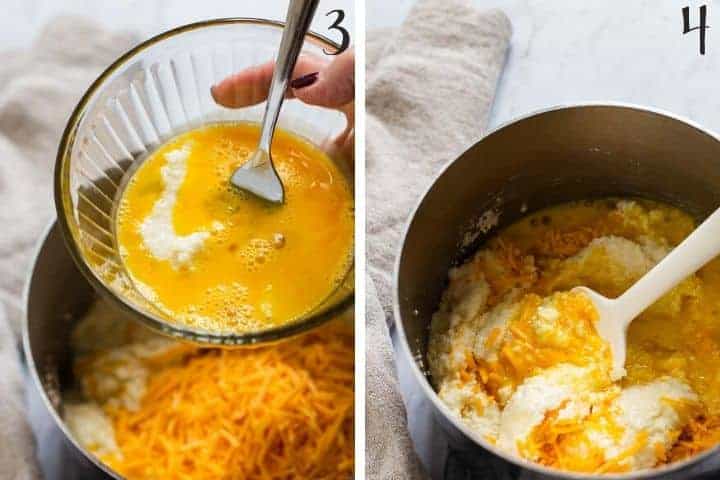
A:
297	23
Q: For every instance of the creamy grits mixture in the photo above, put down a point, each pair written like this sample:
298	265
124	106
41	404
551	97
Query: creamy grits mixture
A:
213	257
514	352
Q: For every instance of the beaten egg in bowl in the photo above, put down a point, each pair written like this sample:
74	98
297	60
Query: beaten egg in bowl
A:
212	257
513	351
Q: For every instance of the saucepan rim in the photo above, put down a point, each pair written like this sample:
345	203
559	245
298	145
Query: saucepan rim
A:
422	379
30	358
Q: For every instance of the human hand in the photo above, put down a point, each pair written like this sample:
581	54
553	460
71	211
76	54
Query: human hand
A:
316	81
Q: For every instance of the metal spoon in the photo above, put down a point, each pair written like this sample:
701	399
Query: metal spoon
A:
258	174
616	314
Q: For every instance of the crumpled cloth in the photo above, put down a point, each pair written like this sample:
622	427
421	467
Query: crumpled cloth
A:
39	87
430	86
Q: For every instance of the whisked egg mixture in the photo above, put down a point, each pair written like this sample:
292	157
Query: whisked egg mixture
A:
514	352
213	257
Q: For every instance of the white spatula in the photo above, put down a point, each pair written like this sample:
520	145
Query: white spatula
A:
615	315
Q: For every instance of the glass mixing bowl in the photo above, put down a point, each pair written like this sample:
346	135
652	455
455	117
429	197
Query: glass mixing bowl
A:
157	90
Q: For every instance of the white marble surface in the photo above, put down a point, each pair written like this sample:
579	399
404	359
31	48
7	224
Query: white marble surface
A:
566	51
22	19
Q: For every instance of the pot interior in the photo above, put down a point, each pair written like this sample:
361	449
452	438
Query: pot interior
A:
545	159
549	158
58	295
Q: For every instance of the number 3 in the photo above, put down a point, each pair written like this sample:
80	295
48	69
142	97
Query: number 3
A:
345	43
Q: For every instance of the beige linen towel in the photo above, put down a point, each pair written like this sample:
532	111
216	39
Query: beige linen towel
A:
430	86
38	90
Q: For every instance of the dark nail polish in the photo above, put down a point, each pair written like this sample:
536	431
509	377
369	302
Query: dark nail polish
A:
305	80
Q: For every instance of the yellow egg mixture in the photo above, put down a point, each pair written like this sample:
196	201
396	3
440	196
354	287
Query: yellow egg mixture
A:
514	352
213	257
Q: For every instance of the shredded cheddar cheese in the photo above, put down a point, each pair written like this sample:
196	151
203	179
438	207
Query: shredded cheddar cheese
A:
509	316
272	413
529	347
700	433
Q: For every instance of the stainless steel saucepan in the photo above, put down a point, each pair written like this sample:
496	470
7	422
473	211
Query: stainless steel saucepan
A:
56	297
557	155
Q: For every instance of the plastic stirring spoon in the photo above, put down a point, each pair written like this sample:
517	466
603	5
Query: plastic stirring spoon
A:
258	174
615	315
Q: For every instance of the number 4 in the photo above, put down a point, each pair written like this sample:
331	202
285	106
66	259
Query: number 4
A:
345	43
702	27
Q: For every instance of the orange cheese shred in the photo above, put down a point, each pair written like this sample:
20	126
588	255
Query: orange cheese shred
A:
699	434
273	413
